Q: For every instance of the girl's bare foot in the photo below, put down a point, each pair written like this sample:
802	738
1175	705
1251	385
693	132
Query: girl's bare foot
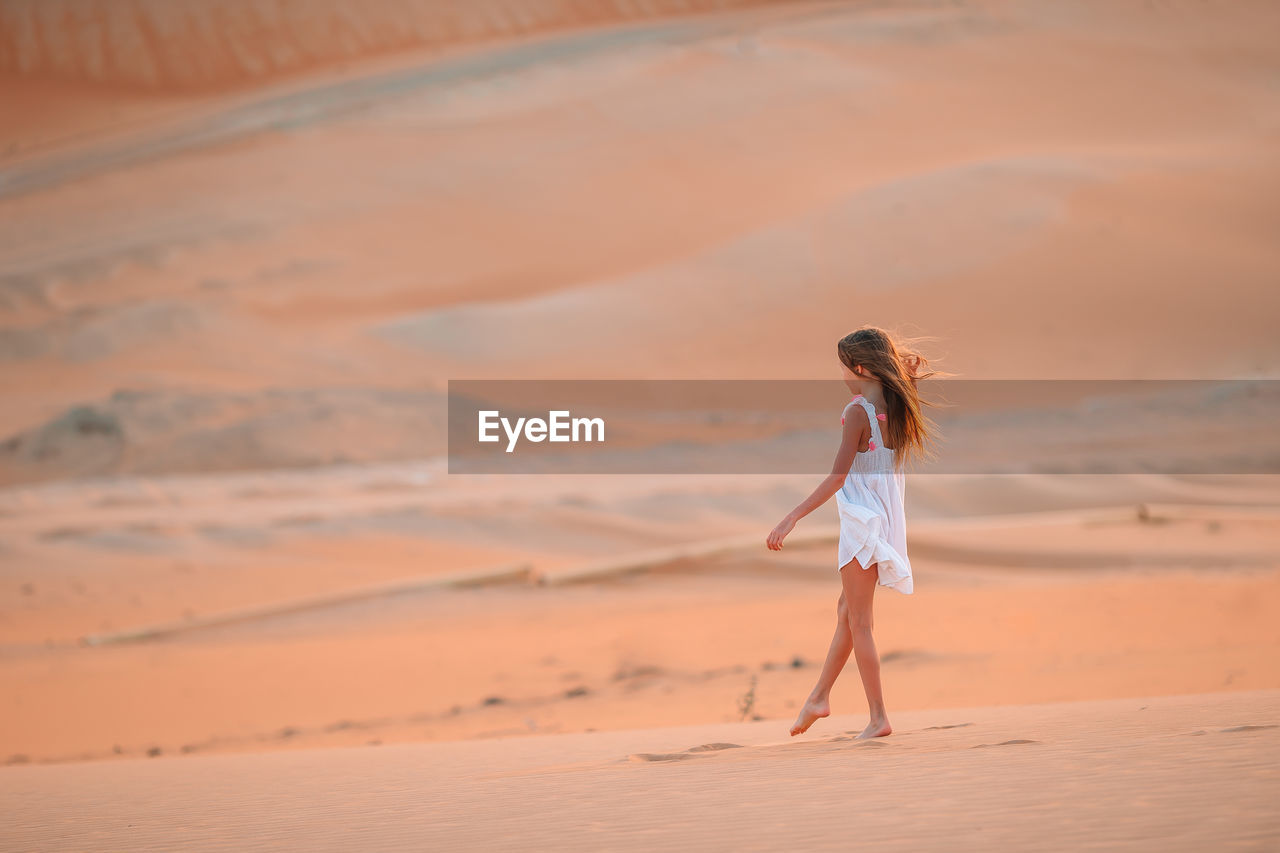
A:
813	709
875	728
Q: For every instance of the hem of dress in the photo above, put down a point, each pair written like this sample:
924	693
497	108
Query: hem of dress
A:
871	549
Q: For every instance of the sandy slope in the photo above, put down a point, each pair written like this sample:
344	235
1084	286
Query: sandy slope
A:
1054	190
226	320
196	44
1007	611
1168	772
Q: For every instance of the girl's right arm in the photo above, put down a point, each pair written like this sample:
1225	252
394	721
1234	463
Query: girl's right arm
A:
857	429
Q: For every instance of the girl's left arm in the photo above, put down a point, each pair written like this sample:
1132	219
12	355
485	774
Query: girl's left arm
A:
850	439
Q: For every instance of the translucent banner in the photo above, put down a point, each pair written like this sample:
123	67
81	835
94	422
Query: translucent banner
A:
794	426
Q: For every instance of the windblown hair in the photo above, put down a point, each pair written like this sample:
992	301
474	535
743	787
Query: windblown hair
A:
898	366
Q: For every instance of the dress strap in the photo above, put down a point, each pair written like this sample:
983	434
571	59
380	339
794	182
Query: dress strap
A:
876	419
880	416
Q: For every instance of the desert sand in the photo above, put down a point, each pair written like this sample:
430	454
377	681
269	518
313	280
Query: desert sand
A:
243	602
1165	772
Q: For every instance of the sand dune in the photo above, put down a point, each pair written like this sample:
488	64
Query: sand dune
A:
156	432
1059	193
1074	198
1177	772
232	292
202	44
1209	428
1088	604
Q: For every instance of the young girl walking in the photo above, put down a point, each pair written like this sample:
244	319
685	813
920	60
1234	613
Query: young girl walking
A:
883	428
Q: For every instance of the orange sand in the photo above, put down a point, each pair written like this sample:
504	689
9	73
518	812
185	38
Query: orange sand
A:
231	297
1165	772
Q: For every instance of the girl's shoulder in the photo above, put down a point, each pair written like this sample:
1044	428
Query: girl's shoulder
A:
855	403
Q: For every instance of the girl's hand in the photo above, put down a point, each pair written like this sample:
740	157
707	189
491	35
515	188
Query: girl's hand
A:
779	533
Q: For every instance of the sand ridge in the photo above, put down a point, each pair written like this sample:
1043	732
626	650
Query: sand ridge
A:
201	45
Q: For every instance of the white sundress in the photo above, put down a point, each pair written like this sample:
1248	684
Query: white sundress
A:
873	521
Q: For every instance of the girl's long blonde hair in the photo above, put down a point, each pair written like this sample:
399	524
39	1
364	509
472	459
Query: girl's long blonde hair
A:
895	362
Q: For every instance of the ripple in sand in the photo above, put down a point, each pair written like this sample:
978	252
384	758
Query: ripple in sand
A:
1003	743
1250	728
691	752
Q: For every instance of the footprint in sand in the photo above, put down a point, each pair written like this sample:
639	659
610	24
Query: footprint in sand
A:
691	752
1003	743
852	735
783	748
952	726
1250	728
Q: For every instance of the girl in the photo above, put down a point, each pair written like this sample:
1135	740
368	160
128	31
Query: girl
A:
883	426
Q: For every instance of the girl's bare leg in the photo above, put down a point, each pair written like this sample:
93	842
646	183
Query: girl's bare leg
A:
859	589
818	704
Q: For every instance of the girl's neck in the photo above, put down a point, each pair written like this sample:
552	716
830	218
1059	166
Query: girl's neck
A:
870	390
